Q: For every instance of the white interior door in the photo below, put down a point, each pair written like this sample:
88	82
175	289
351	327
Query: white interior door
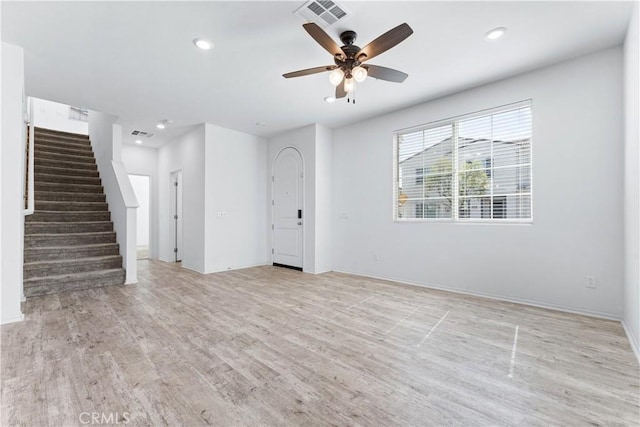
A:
287	209
176	213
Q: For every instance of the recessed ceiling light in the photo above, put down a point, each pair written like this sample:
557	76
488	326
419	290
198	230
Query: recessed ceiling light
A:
138	141
329	99
162	124
203	44
496	33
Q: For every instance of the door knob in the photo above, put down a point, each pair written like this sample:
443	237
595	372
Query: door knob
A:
299	222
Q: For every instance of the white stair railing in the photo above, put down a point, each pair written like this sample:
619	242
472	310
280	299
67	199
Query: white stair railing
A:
29	149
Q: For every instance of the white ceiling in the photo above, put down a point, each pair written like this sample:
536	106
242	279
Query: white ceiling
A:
137	60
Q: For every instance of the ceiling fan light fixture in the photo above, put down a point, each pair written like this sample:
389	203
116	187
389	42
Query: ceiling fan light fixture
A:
336	76
359	74
349	85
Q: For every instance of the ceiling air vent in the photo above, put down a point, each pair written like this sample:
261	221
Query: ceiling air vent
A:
141	133
322	12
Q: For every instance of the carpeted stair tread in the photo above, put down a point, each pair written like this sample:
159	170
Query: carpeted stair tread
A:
69	151
54	170
68	239
66	206
55	196
45	253
67	179
64	157
40	161
68	187
73	282
49	268
77	261
70	216
60	134
65	144
67	227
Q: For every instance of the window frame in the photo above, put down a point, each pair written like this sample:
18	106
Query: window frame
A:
455	217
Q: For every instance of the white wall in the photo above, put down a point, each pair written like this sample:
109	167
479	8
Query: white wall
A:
577	197
632	183
324	196
11	183
236	185
140	160
106	141
54	115
186	153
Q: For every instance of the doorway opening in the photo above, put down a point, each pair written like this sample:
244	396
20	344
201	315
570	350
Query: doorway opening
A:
175	179
287	209
142	188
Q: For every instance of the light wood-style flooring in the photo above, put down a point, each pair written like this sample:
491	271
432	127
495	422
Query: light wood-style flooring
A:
271	346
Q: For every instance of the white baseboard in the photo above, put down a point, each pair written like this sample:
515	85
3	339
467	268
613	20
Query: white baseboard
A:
237	267
19	318
190	268
573	310
632	339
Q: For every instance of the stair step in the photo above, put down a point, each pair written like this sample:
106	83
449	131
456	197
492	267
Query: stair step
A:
70	179
69	239
56	143
71	266
71	282
71	197
52	170
72	206
67	227
52	216
67	188
61	134
64	157
39	161
49	253
45	150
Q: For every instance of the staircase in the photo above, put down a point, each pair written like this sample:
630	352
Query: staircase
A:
69	242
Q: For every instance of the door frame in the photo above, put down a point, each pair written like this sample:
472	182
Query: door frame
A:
273	206
173	197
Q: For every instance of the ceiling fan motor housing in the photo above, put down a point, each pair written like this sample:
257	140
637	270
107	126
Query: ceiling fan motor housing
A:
350	50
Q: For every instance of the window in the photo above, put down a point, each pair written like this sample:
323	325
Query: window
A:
77	113
473	167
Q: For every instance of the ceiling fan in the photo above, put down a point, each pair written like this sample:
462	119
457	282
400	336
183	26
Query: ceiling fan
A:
349	59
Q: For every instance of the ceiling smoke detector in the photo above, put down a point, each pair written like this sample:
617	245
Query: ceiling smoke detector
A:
324	13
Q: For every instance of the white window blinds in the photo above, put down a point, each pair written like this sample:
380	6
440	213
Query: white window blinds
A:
474	167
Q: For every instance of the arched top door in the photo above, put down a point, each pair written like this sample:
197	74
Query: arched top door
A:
287	209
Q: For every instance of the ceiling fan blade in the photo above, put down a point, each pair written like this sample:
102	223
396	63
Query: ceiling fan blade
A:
340	92
384	42
308	71
384	73
323	39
